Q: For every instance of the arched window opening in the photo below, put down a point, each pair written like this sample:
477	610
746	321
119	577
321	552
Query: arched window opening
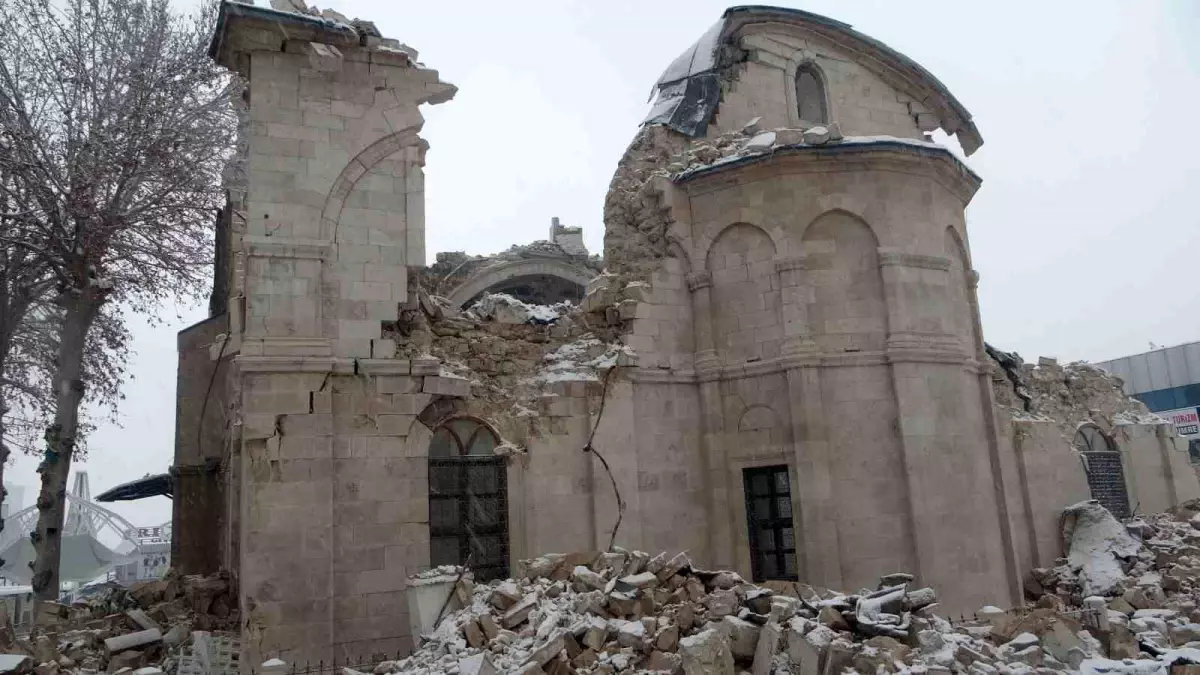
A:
810	95
468	499
1105	475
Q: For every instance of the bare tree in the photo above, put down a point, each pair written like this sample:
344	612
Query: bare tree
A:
117	127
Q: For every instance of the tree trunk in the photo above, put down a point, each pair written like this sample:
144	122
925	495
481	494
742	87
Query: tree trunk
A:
81	310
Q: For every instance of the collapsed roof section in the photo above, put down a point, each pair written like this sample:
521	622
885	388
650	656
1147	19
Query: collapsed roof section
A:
688	91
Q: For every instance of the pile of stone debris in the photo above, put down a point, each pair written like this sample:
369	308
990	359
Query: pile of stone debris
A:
164	626
628	612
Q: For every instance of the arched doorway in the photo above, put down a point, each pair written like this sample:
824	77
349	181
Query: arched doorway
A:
1105	475
468	499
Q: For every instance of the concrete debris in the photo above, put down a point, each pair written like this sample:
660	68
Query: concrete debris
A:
146	629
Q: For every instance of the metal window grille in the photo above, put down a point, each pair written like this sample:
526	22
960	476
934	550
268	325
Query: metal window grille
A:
1105	474
769	515
468	500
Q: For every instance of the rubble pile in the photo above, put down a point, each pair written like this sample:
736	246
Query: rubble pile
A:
504	308
1051	391
151	627
629	612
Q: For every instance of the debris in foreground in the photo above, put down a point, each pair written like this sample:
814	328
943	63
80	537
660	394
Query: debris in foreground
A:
629	612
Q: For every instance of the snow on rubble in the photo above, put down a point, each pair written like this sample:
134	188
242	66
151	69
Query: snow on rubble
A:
504	308
1122	602
581	360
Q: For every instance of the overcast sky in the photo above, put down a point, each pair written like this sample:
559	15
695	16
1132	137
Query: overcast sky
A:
1085	231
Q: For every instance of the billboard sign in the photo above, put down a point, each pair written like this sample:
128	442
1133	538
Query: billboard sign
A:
1186	421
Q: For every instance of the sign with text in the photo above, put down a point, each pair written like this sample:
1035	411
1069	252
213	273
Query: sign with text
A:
1186	420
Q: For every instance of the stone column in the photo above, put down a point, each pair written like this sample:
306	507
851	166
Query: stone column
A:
712	425
817	536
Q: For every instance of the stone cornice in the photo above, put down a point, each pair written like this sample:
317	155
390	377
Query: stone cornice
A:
899	156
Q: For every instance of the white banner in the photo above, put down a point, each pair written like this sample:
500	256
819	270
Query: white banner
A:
1186	420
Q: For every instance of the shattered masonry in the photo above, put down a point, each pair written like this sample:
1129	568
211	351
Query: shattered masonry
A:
779	359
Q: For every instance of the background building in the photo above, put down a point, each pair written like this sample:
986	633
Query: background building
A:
1168	382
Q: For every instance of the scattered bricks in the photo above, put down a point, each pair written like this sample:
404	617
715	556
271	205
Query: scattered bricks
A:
631	634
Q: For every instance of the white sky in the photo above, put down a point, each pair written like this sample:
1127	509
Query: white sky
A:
1084	232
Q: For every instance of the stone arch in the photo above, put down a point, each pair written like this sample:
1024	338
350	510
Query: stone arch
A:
959	320
355	169
760	426
468	497
817	94
572	273
1102	463
705	242
746	317
846	309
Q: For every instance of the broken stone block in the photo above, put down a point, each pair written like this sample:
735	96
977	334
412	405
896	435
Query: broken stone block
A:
789	136
324	58
818	135
596	633
488	625
587	578
672	567
1181	635
664	662
131	659
44	649
721	603
505	595
742	635
829	616
768	645
519	612
585	659
548	649
706	653
761	142
1150	596
479	664
541	566
631	634
640	581
838	657
667	638
140	639
474	634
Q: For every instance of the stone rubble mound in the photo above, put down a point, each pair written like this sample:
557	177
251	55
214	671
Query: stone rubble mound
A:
629	612
151	628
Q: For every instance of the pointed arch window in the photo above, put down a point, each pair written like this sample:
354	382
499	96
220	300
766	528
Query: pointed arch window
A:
810	95
468	499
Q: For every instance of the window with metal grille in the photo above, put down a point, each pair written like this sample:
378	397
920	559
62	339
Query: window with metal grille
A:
769	520
1105	475
468	499
810	95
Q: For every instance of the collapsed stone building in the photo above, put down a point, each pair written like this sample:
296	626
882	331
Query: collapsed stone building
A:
778	368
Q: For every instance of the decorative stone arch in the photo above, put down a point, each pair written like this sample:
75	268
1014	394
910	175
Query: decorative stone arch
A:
839	201
355	169
703	245
1103	465
839	240
570	272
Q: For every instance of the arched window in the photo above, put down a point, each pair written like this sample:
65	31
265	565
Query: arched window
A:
1105	475
468	499
810	95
